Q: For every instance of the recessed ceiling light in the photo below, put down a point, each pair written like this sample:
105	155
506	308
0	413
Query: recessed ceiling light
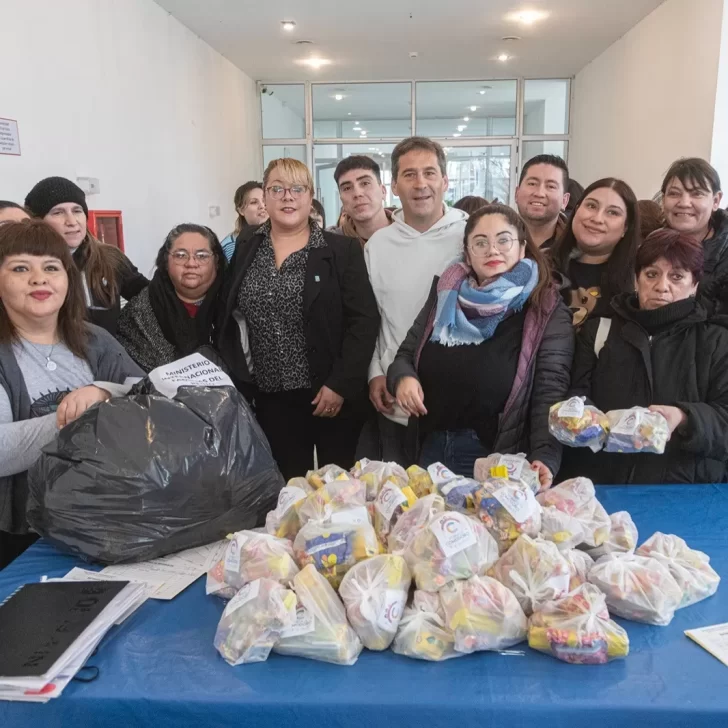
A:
372	149
314	62
482	92
457	134
466	118
356	128
473	108
527	17
462	127
288	25
363	132
339	97
503	57
349	113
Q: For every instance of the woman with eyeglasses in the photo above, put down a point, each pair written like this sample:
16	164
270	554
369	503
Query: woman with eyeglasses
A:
489	353
174	315
299	327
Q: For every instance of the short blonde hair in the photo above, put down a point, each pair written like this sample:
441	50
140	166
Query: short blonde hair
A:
297	172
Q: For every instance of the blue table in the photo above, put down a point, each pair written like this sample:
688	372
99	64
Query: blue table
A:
161	669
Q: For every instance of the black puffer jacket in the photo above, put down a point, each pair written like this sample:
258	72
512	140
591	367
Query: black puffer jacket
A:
713	288
542	376
684	365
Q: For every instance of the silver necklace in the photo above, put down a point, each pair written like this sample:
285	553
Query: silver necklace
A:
50	365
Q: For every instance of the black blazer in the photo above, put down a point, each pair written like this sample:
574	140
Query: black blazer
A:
340	316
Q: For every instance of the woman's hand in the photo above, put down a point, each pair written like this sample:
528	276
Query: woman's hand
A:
328	403
77	402
674	416
410	397
545	476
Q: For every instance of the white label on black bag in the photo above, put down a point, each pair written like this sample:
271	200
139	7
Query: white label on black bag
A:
191	371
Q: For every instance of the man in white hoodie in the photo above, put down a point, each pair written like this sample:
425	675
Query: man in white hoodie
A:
403	258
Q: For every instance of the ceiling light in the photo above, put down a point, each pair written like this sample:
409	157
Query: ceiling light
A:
339	97
503	57
356	128
363	132
288	25
466	118
527	17
349	113
482	92
462	127
473	108
372	149
314	62
456	134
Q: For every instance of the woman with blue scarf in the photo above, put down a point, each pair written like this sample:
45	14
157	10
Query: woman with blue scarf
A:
489	353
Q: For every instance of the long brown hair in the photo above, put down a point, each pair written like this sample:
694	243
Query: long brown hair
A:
35	237
101	264
539	296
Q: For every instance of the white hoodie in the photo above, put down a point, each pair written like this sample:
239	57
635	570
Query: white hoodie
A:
402	263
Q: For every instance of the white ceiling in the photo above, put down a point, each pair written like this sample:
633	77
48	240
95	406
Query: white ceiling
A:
372	40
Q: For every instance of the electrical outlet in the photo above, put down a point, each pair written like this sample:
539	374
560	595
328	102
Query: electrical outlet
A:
90	185
214	210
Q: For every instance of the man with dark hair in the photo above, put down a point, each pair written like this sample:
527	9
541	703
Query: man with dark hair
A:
403	258
541	197
362	195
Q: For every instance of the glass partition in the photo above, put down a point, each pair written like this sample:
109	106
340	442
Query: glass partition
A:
283	111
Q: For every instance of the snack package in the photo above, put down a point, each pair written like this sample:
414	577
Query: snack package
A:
319	478
639	588
253	621
580	564
561	528
452	546
577	498
577	424
517	470
391	502
412	521
375	593
424	636
420	481
507	509
334	549
577	629
622	537
249	556
483	615
337	502
283	521
637	430
456	491
691	569
424	601
535	571
374	474
321	631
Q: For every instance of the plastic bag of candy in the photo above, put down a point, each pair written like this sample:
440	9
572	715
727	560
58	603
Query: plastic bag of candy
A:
341	501
580	564
535	571
577	629
577	498
517	470
424	601
334	549
250	555
577	424
375	593
691	569
374	474
507	509
561	528
424	636
483	615
639	588
283	521
420	481
637	430
253	621
452	546
412	521
321	631
391	502
326	474
622	539
457	491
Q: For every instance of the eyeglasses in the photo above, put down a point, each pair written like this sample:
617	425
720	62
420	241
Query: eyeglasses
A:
481	248
182	256
278	193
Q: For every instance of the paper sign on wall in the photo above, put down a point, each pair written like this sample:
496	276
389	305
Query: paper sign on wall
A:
191	371
9	137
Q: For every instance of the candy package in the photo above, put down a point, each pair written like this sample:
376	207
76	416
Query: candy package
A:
637	430
420	481
375	474
507	509
391	502
253	621
622	537
577	498
483	615
517	470
639	588
535	571
424	636
577	629
340	501
250	555
424	601
456	491
334	549
321	631
561	528
412	521
577	424
691	569
580	564
374	593
452	546
326	474
283	521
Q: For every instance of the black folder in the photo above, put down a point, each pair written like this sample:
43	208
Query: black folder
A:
39	622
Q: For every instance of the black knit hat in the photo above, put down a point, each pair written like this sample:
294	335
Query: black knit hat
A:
53	191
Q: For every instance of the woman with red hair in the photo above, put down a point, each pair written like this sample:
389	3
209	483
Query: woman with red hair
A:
661	351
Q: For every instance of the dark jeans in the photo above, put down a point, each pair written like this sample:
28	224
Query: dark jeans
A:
12	545
455	450
292	431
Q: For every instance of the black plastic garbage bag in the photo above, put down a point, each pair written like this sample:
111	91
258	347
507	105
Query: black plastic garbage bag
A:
143	476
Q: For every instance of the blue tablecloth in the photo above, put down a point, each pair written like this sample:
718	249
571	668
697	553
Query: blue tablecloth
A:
161	669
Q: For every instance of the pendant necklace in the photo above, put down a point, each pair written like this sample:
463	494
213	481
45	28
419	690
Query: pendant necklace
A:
50	365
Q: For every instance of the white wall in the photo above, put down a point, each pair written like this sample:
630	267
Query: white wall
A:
719	152
124	92
649	98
